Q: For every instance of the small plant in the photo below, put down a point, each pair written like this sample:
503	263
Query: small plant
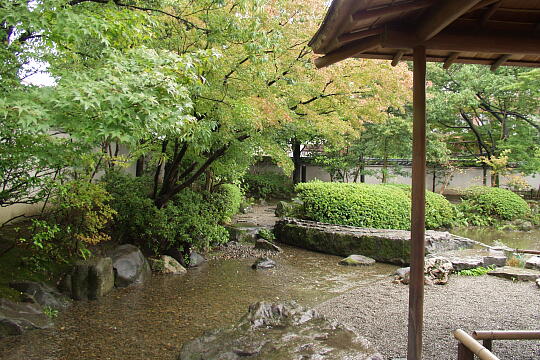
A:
477	271
50	312
266	235
515	261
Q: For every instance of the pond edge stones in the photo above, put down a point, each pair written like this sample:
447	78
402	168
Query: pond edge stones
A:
357	260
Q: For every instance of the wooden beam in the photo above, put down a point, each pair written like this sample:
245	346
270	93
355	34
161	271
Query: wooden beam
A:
450	60
358	35
483	4
397	57
373	14
456	40
418	209
489	13
459	60
347	51
500	61
441	15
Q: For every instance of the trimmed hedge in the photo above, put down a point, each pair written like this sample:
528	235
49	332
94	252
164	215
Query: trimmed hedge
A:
370	206
483	205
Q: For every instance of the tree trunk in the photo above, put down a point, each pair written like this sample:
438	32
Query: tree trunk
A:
297	160
385	167
139	170
484	174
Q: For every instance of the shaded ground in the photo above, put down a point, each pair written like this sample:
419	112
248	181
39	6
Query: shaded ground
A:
379	312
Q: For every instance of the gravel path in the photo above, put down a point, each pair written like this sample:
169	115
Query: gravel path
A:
379	312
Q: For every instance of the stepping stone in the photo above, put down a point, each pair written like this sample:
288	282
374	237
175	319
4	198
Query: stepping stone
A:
263	263
515	274
498	261
533	263
357	260
466	263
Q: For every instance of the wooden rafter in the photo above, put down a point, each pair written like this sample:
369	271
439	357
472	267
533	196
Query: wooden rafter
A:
450	60
441	15
357	35
397	57
373	14
350	50
500	61
489	13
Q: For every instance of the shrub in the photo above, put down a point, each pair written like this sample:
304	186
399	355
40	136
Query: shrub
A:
371	206
268	185
190	219
483	205
80	215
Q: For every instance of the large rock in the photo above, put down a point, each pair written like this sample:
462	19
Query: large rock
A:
515	274
389	246
243	232
42	294
16	318
357	260
130	266
280	331
437	269
263	263
166	265
262	244
466	263
533	263
496	260
92	279
195	259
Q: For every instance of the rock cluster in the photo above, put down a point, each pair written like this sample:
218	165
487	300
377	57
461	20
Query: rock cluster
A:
280	331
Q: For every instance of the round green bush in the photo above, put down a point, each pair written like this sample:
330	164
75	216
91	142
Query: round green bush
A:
369	205
483	205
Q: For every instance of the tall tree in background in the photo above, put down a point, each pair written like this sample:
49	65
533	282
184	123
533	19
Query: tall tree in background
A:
486	113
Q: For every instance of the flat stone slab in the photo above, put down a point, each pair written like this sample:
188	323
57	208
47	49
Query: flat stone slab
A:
389	246
466	263
533	263
516	274
357	260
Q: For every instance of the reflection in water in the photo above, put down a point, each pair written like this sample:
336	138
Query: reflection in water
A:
515	239
153	321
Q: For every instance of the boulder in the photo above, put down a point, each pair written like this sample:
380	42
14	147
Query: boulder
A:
389	246
284	208
437	269
538	282
242	233
42	294
280	331
130	266
533	263
263	263
166	265
466	263
498	261
92	279
16	318
195	259
403	275
262	244
357	260
515	274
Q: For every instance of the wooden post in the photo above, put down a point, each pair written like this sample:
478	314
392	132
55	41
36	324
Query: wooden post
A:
416	287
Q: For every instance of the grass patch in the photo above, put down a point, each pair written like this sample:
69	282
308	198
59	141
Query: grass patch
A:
477	271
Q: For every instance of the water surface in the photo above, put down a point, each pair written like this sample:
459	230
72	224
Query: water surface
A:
153	321
529	240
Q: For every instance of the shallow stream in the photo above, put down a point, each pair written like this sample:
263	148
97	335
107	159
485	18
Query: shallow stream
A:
153	321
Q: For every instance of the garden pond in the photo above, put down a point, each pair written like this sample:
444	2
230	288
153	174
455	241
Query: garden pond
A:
154	321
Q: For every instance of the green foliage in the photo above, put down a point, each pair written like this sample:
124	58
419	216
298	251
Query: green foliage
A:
266	235
190	219
371	206
484	206
268	185
477	271
50	312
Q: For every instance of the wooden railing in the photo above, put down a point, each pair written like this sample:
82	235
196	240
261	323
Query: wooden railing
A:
469	346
